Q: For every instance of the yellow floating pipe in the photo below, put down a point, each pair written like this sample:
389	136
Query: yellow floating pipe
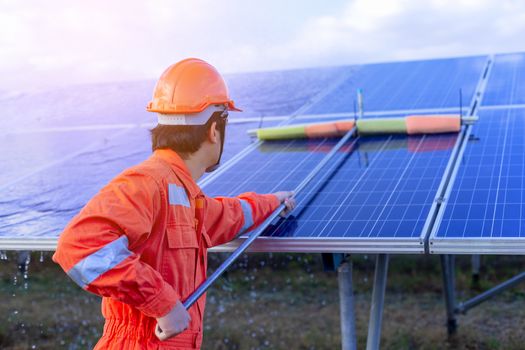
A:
330	129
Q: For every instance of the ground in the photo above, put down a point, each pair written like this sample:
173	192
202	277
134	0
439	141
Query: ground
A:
280	301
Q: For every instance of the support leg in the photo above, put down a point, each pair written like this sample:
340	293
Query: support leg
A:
346	300
476	264
448	268
378	298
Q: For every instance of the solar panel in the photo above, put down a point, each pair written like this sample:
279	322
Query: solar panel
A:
123	104
22	153
42	202
72	142
380	195
406	85
507	81
42	197
271	166
378	199
485	211
82	105
279	92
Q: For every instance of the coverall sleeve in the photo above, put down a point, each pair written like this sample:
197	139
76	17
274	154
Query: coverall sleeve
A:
96	248
226	217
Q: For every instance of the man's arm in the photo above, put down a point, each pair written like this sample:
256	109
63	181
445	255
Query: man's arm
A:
227	218
96	251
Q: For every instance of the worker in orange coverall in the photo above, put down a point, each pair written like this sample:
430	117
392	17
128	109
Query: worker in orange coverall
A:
141	243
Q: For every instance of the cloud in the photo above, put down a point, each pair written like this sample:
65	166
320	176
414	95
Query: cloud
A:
378	30
69	42
60	42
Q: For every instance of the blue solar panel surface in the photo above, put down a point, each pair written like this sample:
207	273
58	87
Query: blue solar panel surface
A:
41	203
406	85
279	92
507	81
384	187
71	142
39	199
487	199
285	164
258	94
19	156
45	127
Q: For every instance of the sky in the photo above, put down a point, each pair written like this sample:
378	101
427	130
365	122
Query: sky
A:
64	42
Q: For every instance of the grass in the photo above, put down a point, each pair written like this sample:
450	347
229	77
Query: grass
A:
280	301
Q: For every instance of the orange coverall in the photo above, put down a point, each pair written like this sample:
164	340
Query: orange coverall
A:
141	243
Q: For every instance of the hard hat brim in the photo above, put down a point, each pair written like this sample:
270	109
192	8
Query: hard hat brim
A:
164	108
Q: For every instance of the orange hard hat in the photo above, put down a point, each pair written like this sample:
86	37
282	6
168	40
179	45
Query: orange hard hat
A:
190	86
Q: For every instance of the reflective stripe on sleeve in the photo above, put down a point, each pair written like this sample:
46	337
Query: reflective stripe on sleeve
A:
101	261
178	196
248	216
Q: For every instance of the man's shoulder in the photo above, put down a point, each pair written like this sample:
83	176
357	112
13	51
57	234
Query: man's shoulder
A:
149	174
150	168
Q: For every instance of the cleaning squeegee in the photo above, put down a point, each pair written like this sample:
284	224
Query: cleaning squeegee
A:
410	125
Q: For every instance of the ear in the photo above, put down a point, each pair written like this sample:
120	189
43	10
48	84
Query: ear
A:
213	133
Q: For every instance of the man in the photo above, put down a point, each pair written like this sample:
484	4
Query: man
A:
141	242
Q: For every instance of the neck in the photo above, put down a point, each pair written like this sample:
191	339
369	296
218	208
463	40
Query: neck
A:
199	161
195	167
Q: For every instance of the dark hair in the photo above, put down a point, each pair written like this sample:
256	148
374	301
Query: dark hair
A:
184	139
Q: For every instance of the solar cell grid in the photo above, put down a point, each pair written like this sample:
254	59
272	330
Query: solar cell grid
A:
488	194
279	92
272	166
41	203
382	190
507	81
21	154
38	201
406	85
97	105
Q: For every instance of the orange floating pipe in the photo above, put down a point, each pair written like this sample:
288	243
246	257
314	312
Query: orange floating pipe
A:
345	126
332	129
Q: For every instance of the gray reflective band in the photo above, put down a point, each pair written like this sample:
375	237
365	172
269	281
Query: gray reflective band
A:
199	118
93	266
178	196
248	216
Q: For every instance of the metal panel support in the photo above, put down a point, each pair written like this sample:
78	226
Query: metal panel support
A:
331	261
467	305
448	268
476	264
378	298
346	303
